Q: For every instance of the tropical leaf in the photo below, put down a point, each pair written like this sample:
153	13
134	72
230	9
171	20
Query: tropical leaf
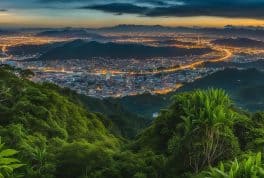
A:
7	163
8	152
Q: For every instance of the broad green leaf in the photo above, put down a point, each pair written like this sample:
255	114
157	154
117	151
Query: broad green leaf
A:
8	152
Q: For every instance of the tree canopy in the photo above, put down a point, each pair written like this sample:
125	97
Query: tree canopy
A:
50	133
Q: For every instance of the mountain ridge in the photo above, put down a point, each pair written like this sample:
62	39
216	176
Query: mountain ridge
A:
79	49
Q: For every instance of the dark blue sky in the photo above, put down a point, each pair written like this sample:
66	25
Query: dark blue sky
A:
107	12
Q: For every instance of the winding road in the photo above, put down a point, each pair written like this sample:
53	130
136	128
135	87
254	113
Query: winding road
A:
227	55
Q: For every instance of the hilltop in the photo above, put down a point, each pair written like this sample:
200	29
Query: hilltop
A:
239	42
79	49
70	33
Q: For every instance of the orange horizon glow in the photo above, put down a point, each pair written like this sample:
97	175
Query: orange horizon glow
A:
76	19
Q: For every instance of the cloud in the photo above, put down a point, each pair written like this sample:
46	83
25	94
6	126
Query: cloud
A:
119	8
3	10
152	2
153	8
224	11
187	8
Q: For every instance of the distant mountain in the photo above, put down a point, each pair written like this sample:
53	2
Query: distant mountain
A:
230	31
6	32
138	28
80	49
175	42
33	49
70	33
227	31
234	31
246	87
239	42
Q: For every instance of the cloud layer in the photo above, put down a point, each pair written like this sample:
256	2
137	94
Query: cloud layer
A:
154	8
222	8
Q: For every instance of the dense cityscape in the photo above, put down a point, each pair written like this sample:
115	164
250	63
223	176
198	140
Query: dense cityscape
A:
117	77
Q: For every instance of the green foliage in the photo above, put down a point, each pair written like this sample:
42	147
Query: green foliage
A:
80	158
55	135
256	133
38	121
250	131
251	167
114	115
204	135
26	73
8	163
84	160
196	130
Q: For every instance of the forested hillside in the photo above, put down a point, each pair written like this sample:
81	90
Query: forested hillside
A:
245	87
48	132
122	122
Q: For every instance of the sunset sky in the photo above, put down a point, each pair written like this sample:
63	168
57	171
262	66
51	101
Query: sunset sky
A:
99	13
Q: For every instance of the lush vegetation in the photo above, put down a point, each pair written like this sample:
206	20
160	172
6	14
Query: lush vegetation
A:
248	167
7	163
49	132
123	122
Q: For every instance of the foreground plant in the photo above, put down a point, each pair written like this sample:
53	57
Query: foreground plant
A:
7	162
251	167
